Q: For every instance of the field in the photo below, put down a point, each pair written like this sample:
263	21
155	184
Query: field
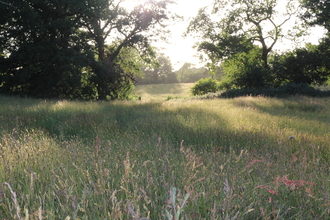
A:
242	158
156	92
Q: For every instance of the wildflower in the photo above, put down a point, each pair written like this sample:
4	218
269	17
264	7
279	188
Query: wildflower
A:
293	183
253	162
216	150
267	189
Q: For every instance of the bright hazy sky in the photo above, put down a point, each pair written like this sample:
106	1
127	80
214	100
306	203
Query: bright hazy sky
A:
180	49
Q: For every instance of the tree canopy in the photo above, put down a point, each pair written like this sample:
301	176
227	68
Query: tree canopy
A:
234	26
42	53
188	73
72	49
96	49
240	36
161	74
317	12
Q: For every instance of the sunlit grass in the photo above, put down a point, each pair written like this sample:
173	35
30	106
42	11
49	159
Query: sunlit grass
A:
162	92
243	158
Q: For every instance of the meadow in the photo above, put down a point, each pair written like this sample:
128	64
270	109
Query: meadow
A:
243	158
157	92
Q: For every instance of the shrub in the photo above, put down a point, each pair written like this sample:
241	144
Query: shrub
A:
204	86
245	70
281	91
301	66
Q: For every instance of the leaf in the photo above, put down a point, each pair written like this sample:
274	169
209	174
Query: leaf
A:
185	200
173	196
168	215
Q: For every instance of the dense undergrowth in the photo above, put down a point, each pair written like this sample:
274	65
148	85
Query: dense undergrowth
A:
207	88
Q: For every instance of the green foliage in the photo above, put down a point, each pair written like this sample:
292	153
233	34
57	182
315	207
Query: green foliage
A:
57	49
231	39
161	73
233	27
121	89
190	74
308	65
176	211
204	86
281	91
245	70
43	56
129	60
317	12
104	18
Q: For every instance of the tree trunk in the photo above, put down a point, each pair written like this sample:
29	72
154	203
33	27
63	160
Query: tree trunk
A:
100	70
264	57
100	48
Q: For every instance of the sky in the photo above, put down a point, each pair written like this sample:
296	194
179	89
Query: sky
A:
180	50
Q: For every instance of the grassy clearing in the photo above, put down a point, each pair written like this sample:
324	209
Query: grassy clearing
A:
163	91
243	158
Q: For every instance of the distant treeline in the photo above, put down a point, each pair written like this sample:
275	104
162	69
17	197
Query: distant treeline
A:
164	73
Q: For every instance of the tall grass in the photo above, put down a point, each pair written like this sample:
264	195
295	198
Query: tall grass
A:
156	92
243	158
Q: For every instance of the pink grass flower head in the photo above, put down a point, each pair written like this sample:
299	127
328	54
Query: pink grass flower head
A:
272	192
268	189
293	183
253	162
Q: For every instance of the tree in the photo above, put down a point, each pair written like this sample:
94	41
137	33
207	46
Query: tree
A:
317	12
43	55
245	70
162	73
74	49
190	74
309	65
106	19
316	59
235	26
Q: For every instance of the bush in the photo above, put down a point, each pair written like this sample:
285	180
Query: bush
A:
301	66
204	86
245	70
282	91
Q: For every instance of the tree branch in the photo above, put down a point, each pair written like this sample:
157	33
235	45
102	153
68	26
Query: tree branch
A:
7	4
123	44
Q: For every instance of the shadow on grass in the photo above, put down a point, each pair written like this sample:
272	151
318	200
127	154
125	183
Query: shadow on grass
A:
133	123
148	127
295	106
198	128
